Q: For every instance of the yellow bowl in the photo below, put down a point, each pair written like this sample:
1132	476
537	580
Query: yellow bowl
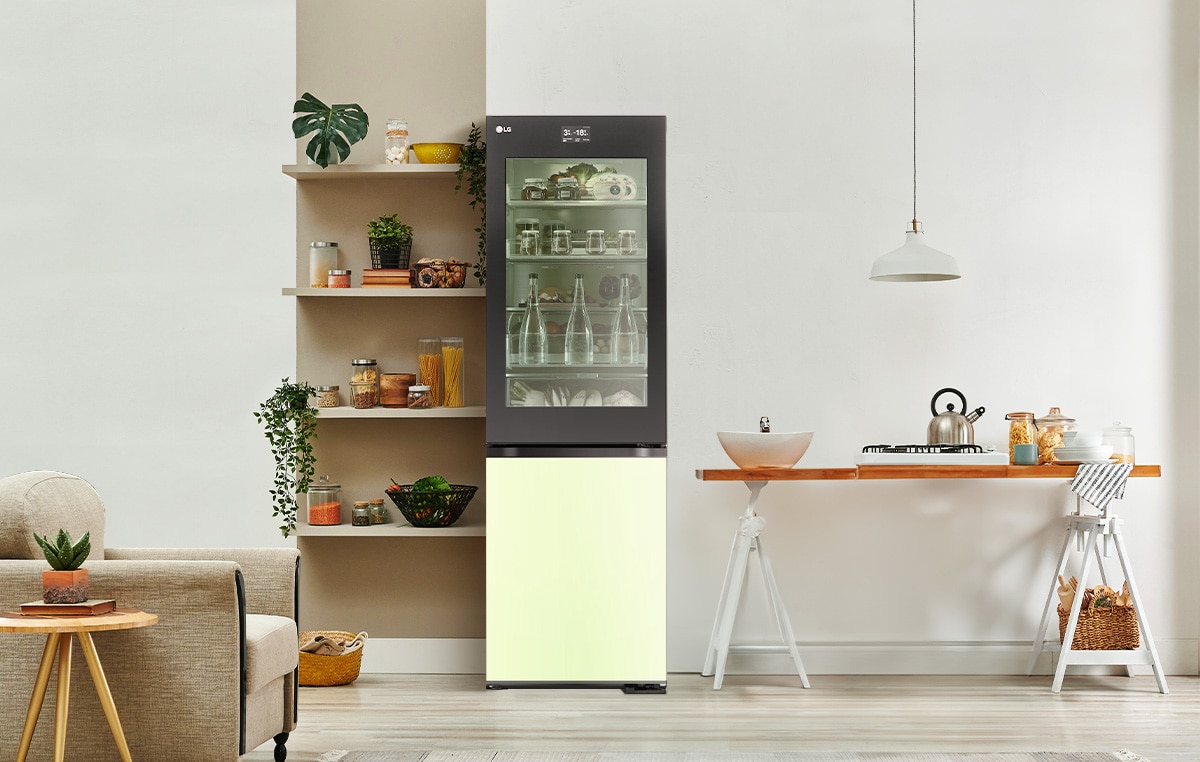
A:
437	153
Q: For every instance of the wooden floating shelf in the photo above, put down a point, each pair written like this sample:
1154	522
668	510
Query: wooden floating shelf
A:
903	472
360	171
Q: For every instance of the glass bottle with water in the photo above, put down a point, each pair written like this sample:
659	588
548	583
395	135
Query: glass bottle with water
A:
579	329
533	328
625	347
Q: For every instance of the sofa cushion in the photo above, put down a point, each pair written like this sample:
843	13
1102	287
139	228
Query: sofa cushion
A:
272	649
44	502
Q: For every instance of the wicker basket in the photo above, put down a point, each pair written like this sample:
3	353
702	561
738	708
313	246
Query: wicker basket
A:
322	670
423	508
1102	629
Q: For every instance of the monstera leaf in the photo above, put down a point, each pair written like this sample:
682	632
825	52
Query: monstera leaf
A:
338	127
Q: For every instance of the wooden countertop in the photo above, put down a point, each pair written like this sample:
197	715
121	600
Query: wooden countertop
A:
902	472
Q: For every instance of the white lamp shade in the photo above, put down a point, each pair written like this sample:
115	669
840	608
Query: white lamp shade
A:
915	261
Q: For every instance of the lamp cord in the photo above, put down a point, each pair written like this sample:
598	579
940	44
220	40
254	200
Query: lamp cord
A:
914	22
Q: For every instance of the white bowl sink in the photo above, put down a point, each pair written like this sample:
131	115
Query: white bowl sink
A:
753	449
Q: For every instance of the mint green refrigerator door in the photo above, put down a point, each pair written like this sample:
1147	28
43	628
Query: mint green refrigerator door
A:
576	571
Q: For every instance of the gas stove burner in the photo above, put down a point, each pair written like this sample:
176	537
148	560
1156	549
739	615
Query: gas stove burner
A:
925	448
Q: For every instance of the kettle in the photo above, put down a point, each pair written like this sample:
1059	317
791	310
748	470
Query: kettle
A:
950	427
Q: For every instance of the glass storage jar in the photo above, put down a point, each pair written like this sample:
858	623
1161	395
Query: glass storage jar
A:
395	142
1121	439
324	503
429	367
1050	433
327	396
360	514
452	371
1021	430
534	190
420	397
339	279
379	514
322	257
566	189
364	383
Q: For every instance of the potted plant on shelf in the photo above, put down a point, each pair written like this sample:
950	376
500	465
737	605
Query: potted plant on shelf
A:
65	582
338	127
472	166
290	426
391	242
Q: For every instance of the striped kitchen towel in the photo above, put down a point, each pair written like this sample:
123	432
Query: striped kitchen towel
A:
1100	483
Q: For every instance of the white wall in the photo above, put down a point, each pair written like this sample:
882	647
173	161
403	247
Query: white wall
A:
147	233
1057	163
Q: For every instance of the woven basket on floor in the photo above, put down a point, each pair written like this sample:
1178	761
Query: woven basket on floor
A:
322	670
1102	629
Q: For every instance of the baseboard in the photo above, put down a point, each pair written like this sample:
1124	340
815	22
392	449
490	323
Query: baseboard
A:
430	656
468	656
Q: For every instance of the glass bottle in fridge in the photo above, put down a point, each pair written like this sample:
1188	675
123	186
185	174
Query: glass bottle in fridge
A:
579	339
625	346
533	328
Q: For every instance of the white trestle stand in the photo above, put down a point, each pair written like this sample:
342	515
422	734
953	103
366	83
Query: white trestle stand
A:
1086	534
746	540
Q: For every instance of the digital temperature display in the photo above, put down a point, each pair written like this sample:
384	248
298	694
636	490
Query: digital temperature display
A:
576	134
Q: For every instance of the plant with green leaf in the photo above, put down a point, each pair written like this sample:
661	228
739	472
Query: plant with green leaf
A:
472	166
388	232
62	553
291	425
338	126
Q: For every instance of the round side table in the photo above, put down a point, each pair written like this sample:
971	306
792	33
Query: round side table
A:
81	627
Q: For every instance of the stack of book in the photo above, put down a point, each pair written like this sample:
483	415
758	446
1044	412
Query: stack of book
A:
386	279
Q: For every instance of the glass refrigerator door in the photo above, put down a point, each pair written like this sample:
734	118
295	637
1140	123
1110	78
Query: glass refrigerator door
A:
575	271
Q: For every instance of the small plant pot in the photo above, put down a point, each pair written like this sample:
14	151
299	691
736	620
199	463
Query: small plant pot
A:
390	256
65	586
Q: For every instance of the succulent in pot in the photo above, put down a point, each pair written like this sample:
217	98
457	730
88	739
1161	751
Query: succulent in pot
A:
65	582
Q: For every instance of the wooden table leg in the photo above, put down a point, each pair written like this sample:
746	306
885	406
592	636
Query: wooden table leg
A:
62	698
39	695
106	699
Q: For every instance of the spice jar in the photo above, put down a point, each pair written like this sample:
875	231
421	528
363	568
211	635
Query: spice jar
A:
566	189
420	397
322	257
327	396
1121	439
534	190
1021	430
1050	433
339	279
452	371
364	383
324	503
429	367
393	388
395	142
360	514
379	513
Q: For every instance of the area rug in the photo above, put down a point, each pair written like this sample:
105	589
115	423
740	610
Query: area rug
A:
805	756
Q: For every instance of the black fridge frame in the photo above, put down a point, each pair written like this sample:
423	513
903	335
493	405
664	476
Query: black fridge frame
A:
616	137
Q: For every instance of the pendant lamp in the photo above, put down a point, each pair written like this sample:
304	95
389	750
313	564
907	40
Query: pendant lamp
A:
915	261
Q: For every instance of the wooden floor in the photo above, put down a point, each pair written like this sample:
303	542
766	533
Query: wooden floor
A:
756	713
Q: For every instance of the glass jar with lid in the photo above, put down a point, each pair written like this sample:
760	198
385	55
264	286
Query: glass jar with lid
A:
364	383
420	397
379	514
360	514
1121	439
1021	430
324	503
327	396
566	189
322	257
395	141
534	189
1050	433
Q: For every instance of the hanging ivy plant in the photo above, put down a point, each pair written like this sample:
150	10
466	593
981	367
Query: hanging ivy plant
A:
472	165
338	126
290	426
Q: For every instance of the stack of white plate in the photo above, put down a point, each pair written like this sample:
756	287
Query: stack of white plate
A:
1074	455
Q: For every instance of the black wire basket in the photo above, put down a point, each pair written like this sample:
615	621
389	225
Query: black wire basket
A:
431	508
390	256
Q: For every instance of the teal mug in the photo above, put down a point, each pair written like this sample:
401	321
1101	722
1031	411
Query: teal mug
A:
1025	454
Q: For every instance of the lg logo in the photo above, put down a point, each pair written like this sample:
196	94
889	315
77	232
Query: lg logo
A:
502	128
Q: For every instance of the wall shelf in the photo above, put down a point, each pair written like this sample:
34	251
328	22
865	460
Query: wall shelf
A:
359	171
467	526
416	293
469	411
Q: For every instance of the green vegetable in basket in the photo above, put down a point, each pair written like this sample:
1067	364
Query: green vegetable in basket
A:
431	484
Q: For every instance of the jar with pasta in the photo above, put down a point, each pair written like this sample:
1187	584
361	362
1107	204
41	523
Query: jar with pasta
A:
1050	433
364	383
1021	430
429	367
452	371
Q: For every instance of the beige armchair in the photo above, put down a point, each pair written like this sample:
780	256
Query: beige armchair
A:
215	678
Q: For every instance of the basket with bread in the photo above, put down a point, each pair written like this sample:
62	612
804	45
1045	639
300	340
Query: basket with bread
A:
1107	620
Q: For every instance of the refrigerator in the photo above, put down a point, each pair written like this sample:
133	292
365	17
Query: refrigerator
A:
576	402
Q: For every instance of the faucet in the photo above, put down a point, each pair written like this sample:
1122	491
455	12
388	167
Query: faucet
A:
764	425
